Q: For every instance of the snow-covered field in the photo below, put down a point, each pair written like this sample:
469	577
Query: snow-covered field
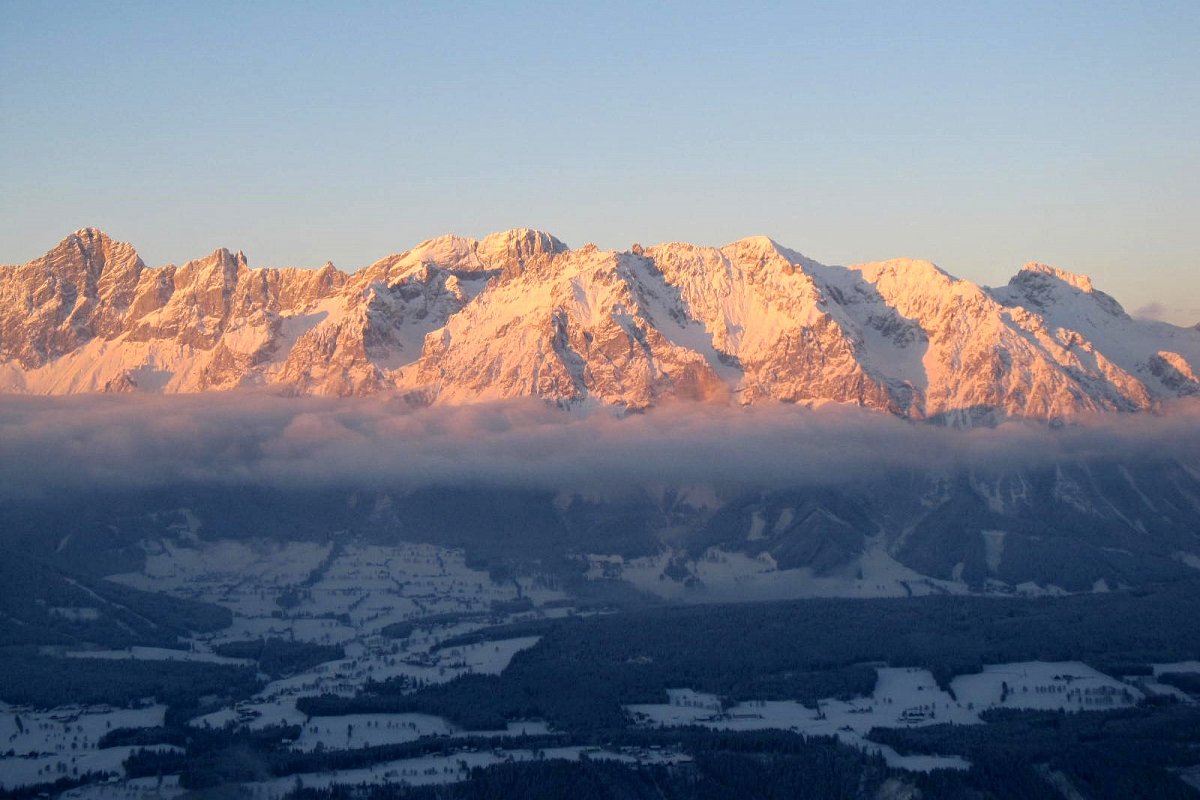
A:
329	594
67	730
1071	686
379	660
159	654
133	789
368	730
17	772
726	576
449	768
348	592
904	698
78	759
370	585
730	576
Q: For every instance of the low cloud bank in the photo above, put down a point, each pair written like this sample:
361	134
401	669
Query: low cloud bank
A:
48	445
1160	312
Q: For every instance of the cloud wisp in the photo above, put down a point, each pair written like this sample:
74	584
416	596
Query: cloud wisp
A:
1160	312
50	445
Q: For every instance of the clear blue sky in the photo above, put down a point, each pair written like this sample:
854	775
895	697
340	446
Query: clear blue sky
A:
979	135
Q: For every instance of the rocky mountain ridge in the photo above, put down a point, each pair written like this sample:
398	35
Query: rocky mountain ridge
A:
520	314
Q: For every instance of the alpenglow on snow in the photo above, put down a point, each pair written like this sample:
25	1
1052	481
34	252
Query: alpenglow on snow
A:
519	314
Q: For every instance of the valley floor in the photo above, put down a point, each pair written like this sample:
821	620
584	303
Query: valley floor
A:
419	616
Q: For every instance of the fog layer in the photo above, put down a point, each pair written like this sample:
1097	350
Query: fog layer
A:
70	443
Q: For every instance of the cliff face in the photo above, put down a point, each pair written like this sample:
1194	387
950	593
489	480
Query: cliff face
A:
457	320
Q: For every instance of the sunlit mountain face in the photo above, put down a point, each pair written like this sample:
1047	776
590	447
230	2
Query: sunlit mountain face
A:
502	518
519	314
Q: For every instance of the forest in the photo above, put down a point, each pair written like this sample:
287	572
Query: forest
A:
582	671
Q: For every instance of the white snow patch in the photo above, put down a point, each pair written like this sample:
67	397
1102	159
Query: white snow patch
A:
758	524
449	768
1070	686
993	549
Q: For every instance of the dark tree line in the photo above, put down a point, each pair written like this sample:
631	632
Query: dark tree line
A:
280	657
583	670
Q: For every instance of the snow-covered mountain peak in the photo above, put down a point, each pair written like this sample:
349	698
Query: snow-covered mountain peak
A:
919	289
518	313
449	250
908	270
521	241
1040	286
90	235
1080	282
514	251
93	250
757	243
506	253
764	249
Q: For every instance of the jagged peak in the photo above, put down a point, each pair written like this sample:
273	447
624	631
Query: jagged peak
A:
97	251
678	247
505	250
900	334
756	242
765	250
445	240
1081	282
911	269
223	255
1044	285
499	250
90	240
449	248
89	234
229	264
544	239
766	246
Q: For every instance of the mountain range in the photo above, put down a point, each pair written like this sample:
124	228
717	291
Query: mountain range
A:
519	314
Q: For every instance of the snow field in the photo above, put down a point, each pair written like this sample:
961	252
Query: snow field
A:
1070	686
368	730
372	586
447	769
904	697
159	654
17	772
732	576
132	789
67	730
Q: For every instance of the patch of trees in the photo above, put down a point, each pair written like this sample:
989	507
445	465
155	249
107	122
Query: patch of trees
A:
1124	753
823	772
498	633
402	630
52	788
216	756
515	606
579	695
1103	755
28	678
42	605
1188	682
583	670
763	764
142	737
280	657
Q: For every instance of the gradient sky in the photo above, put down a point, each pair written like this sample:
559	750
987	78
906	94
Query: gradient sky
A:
978	135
